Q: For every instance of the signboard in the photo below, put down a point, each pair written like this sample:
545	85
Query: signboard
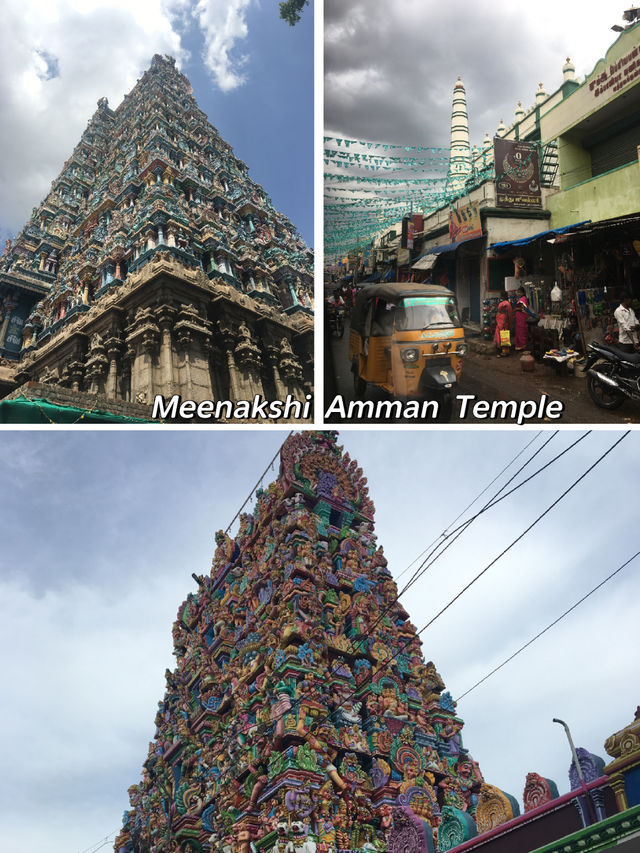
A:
464	223
403	257
517	173
617	74
408	233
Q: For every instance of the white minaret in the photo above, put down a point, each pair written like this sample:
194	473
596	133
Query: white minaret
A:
460	158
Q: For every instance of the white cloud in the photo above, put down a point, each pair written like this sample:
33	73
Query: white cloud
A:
57	58
223	23
97	48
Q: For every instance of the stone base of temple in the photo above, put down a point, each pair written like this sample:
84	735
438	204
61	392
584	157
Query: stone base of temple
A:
43	395
171	330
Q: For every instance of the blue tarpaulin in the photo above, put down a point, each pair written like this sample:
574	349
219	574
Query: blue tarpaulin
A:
447	247
524	241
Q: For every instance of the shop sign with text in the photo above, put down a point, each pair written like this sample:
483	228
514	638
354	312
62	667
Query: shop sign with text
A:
517	173
464	223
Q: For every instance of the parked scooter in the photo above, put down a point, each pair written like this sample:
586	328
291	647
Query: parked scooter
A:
613	375
336	322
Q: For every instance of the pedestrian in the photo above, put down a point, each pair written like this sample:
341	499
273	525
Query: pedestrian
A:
504	316
522	327
627	324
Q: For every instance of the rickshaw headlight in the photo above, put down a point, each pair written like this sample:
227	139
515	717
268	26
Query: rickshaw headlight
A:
435	347
462	349
409	355
446	346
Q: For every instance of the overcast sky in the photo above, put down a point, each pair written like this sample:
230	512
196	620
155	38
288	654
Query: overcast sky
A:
252	74
101	531
390	67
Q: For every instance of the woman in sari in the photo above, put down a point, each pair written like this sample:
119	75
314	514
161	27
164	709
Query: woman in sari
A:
522	327
503	324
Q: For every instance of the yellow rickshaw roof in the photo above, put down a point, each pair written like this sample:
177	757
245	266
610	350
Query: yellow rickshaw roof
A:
392	291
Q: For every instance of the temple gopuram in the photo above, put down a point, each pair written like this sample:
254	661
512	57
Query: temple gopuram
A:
155	265
301	715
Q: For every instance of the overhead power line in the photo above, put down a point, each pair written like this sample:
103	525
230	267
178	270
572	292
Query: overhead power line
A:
551	624
98	845
260	479
524	532
497	498
459	516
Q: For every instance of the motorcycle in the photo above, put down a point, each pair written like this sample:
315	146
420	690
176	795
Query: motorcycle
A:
613	375
336	322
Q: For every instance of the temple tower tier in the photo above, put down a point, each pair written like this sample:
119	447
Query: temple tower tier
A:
156	265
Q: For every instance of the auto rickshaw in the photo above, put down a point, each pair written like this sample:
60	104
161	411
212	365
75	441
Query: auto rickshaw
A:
407	339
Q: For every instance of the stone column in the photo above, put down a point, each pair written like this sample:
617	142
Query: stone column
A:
113	347
273	353
165	316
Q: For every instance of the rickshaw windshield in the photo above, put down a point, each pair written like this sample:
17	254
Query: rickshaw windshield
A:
426	312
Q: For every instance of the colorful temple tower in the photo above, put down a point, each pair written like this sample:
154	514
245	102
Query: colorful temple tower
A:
158	265
301	715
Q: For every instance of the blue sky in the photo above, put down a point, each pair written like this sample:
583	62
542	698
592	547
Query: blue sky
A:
100	534
251	72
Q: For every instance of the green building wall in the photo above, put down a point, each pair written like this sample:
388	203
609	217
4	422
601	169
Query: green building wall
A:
615	193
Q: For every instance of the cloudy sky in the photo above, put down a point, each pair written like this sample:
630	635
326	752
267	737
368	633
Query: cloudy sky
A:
100	534
251	72
390	68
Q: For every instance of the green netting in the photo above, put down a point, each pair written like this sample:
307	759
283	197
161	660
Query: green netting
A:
22	410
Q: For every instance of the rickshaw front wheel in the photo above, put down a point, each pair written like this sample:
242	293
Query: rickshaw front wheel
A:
359	384
445	405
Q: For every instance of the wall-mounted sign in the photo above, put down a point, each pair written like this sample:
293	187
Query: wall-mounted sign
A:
408	233
464	223
517	173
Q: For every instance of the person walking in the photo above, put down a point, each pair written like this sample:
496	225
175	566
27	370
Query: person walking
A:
522	327
504	317
627	324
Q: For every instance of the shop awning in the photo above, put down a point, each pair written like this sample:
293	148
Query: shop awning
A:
524	241
447	247
23	410
374	277
425	262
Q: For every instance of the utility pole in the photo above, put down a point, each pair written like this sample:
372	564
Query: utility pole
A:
576	762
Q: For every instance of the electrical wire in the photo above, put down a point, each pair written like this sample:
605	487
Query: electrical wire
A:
465	525
544	630
524	533
490	504
458	517
496	500
261	478
444	536
103	841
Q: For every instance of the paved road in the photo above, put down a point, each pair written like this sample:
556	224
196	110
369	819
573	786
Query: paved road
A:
486	378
